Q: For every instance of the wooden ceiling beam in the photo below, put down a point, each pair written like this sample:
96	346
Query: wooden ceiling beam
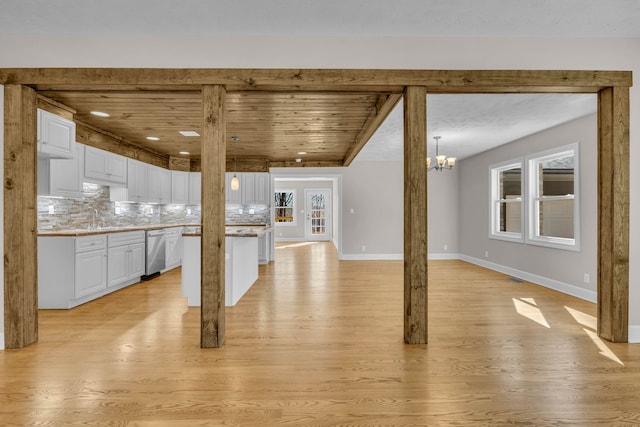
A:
382	109
95	137
451	81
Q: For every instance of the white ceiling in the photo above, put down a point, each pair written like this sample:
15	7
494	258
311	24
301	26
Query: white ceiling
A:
325	18
468	124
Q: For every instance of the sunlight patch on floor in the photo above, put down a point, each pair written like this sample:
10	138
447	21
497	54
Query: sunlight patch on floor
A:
583	318
604	350
527	307
296	245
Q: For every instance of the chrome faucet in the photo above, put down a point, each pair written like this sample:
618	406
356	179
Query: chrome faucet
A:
94	215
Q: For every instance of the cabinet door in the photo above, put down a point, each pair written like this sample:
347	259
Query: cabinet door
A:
179	187
195	188
165	186
118	271
261	186
247	187
232	196
116	168
153	193
172	257
56	136
91	273
136	260
95	163
137	180
65	176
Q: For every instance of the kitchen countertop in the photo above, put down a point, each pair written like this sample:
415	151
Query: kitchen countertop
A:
232	230
237	230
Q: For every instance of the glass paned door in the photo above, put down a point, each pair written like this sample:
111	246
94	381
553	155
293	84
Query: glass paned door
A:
317	214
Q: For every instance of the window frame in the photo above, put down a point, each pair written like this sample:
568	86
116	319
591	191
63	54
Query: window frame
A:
294	221
533	198
495	201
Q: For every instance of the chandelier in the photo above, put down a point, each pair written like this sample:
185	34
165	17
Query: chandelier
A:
442	161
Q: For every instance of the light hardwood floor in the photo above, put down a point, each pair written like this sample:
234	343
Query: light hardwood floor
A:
317	341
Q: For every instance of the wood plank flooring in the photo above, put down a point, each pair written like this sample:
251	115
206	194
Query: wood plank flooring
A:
319	342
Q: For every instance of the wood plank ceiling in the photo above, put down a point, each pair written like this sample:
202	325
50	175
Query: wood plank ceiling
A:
272	127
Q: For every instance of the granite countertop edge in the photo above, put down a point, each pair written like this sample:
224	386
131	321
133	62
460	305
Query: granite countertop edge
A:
92	232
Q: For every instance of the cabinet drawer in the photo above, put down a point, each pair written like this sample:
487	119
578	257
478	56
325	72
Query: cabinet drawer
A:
172	232
91	243
126	238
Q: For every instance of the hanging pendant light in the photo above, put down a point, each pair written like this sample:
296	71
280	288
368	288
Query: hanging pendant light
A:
442	161
235	182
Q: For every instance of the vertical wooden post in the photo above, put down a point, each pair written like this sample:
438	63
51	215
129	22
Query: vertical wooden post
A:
415	215
213	222
613	214
20	218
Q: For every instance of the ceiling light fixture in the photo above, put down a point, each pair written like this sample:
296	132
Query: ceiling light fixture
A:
442	161
302	153
235	182
99	114
189	133
184	152
298	160
153	138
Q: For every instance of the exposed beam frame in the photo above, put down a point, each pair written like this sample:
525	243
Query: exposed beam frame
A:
382	109
613	214
415	215
20	217
436	81
212	254
613	187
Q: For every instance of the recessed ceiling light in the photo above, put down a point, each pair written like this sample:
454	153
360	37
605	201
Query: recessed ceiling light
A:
184	152
302	153
100	114
298	160
153	138
189	133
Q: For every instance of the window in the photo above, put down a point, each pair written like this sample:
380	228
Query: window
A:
506	201
553	198
284	205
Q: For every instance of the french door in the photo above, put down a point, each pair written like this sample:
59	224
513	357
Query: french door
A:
317	210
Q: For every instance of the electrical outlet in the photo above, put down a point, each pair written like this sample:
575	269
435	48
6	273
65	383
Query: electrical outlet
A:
252	211
364	248
52	209
587	278
240	211
486	254
351	211
446	247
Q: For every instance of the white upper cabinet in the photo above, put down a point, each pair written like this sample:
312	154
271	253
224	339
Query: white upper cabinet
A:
103	167
136	189
195	188
179	187
261	189
56	136
159	185
62	177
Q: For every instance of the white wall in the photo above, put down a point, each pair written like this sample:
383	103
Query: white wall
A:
393	53
296	232
564	268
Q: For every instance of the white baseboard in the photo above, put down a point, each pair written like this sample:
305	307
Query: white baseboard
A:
565	288
289	239
634	334
371	257
444	256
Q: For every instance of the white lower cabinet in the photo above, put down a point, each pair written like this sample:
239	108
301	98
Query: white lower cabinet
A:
71	270
76	270
91	272
173	247
126	258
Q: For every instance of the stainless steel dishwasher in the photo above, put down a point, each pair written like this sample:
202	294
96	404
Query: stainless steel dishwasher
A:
155	253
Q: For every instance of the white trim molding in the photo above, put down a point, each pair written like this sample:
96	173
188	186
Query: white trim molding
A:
371	257
565	288
444	256
634	334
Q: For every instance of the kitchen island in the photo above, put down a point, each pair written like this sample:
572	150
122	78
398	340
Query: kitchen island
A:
241	263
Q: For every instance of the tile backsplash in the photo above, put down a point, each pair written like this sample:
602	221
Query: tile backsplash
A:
65	214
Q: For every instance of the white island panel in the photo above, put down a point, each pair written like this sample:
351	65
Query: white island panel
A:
241	268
